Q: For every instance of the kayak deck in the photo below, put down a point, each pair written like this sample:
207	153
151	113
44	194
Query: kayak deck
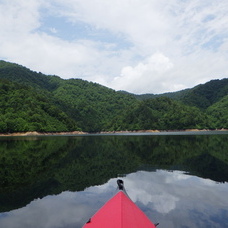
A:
119	212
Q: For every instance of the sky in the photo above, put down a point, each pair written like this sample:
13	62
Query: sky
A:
140	46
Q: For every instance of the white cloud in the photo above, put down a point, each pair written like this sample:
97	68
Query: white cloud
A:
142	22
53	30
18	17
152	71
139	46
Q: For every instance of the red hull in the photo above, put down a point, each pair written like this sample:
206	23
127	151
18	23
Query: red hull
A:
119	212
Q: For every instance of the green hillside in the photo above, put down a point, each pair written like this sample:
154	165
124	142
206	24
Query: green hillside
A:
24	109
163	113
32	101
74	104
22	75
205	95
173	95
219	112
201	96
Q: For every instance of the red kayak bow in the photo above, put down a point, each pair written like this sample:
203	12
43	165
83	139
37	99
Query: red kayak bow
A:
119	212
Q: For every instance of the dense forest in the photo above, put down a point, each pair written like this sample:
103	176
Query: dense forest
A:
32	101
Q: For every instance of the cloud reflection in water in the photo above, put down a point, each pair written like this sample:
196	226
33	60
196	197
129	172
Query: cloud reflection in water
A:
173	199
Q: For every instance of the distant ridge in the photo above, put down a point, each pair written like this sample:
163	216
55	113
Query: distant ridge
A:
32	101
201	96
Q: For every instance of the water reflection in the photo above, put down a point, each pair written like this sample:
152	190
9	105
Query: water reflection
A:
173	199
44	166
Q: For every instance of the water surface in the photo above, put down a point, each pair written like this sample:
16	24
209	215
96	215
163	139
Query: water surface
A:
173	199
49	181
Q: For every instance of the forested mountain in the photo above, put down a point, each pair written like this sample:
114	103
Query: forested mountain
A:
201	96
31	101
173	95
219	112
24	109
162	113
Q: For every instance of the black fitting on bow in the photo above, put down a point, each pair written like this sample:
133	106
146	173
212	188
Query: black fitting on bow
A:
120	184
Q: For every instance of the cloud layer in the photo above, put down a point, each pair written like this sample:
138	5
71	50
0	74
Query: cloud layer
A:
142	46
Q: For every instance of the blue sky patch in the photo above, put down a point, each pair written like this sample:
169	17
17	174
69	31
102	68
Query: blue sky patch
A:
214	43
66	30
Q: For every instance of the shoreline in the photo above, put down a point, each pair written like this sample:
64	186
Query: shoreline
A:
35	133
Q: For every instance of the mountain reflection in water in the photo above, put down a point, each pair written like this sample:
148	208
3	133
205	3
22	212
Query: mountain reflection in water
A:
174	199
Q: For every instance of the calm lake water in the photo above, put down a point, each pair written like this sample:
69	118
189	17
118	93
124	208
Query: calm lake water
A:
177	179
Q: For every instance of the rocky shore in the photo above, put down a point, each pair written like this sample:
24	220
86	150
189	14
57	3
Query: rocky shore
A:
35	133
